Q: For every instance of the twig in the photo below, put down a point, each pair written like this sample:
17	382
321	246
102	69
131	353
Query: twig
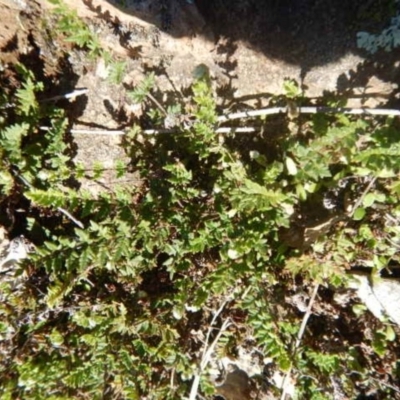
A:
252	113
60	209
75	93
157	103
298	339
386	385
361	198
71	217
306	317
93	132
72	95
217	313
280	110
205	359
378	381
89	131
153	131
308	110
241	115
172	384
218	130
236	130
354	111
157	131
207	352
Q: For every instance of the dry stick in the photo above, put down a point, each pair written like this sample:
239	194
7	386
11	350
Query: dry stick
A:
92	132
378	381
354	111
386	384
218	130
89	131
150	131
280	110
207	352
364	193
247	114
60	209
299	337
75	93
205	359
171	384
207	355
155	101
308	110
236	130
72	95
252	113
212	323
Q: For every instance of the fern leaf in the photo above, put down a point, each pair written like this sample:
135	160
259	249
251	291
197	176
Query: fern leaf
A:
10	140
27	102
46	198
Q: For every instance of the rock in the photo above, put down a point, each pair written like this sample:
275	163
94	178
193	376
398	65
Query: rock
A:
381	296
236	386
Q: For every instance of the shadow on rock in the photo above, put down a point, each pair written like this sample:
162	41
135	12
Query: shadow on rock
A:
306	33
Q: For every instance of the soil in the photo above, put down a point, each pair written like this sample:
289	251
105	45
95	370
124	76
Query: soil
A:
249	46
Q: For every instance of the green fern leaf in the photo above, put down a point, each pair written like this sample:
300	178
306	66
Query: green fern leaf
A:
27	102
10	140
47	198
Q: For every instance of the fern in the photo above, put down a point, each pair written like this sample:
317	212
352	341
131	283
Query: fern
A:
142	90
11	139
47	198
27	103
